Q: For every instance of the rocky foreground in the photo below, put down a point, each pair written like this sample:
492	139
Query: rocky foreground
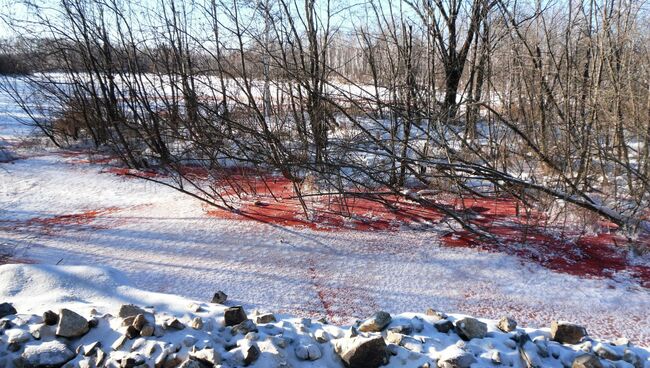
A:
215	335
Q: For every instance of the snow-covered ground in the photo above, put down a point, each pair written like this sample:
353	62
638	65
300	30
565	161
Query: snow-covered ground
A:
56	207
183	329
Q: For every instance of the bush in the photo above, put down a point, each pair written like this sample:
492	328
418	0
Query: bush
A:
12	64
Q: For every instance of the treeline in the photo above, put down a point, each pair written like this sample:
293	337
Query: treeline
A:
548	103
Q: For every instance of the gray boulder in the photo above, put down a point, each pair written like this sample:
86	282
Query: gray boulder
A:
251	354
206	356
7	309
363	352
443	325
234	315
50	318
436	315
607	352
51	354
130	310
470	328
71	324
567	333
219	297
455	357
376	323
507	324
265	318
308	349
587	361
244	327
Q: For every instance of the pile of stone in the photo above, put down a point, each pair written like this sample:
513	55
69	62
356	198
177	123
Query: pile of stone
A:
137	336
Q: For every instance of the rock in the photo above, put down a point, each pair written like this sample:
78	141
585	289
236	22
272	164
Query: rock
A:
190	363
621	341
567	333
631	357
306	322
132	361
542	346
251	354
607	352
470	328
437	316
528	355
194	307
394	337
265	318
7	309
147	331
50	318
71	324
41	331
128	321
234	315
51	354
586	361
137	344
507	324
189	340
443	325
93	322
280	341
417	323
174	324
172	361
455	357
14	346
321	336
308	351
520	337
412	344
5	325
131	332
117	344
244	327
376	323
219	297
404	341
16	336
89	349
139	321
405	329
363	352
206	356
496	357
130	310
196	323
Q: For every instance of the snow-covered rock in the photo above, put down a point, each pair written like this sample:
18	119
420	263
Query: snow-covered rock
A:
51	354
470	328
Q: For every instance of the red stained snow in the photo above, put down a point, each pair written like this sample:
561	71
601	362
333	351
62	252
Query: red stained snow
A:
121	171
50	225
272	200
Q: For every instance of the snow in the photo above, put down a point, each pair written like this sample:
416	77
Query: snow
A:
98	292
55	208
